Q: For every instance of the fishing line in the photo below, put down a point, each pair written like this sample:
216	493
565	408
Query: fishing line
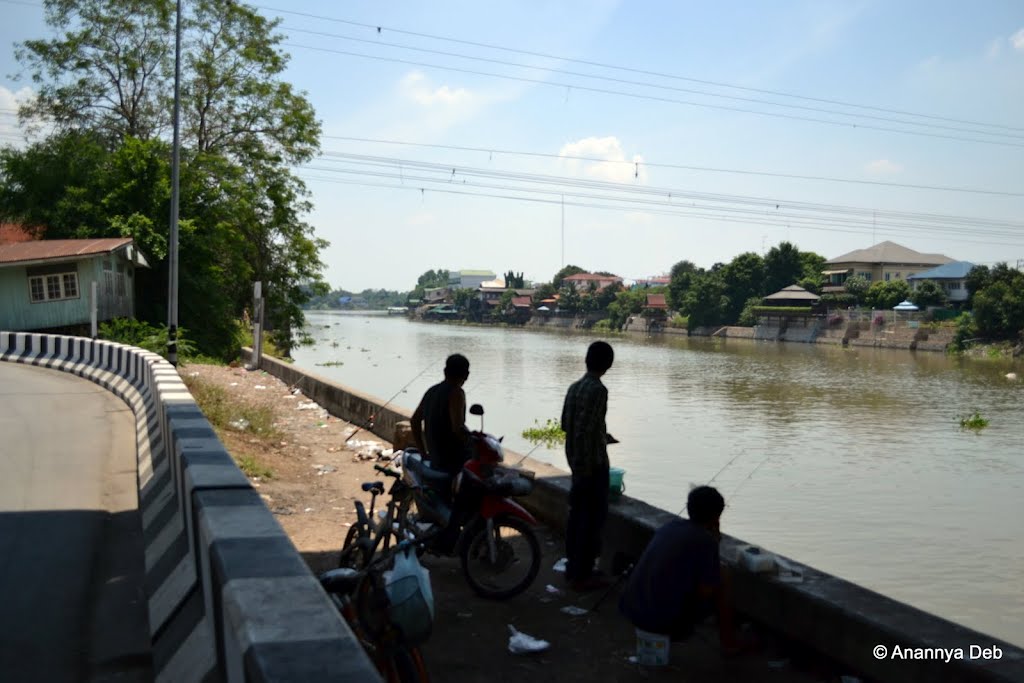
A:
369	420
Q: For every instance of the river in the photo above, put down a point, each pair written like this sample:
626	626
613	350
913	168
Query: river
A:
850	460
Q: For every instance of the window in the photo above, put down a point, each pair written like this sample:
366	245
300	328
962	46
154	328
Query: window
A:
954	285
53	287
887	276
120	281
865	274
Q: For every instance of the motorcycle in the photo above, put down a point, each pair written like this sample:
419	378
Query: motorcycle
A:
497	546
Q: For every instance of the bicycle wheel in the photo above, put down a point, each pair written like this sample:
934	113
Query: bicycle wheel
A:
406	666
354	551
503	563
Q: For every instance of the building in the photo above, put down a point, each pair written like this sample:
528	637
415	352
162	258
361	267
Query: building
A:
883	262
46	284
469	279
656	281
655	306
794	295
583	281
951	276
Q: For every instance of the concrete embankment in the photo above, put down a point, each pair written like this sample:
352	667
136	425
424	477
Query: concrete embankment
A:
841	620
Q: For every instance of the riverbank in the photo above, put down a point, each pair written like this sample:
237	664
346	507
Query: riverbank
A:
308	473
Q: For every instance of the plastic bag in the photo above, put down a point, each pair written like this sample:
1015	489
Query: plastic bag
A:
411	597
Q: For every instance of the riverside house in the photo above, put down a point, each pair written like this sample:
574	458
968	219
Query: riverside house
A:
46	284
952	277
884	261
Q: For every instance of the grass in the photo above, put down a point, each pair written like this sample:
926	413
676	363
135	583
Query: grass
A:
229	415
252	468
974	421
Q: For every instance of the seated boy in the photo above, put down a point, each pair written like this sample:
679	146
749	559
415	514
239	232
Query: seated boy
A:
678	582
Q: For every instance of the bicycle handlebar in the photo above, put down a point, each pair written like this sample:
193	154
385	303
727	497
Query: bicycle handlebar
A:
387	471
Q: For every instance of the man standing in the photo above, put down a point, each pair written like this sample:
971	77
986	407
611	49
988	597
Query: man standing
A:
678	581
439	422
586	439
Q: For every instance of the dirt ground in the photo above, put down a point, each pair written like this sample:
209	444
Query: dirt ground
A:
313	484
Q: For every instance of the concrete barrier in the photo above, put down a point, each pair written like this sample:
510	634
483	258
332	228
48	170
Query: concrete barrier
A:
834	617
229	598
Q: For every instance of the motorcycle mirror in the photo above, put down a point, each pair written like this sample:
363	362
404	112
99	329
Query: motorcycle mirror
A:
500	439
476	409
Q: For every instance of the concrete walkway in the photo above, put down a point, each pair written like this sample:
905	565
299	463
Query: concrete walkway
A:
71	550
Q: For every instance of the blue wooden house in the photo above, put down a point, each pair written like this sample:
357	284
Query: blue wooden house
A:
47	284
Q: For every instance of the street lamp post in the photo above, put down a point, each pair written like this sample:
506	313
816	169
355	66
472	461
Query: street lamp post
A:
172	250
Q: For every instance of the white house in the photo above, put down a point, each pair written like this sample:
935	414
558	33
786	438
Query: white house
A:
469	279
952	277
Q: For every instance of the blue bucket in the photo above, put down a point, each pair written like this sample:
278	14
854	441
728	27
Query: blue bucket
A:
616	487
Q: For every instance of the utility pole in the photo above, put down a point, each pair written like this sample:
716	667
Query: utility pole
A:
563	231
172	252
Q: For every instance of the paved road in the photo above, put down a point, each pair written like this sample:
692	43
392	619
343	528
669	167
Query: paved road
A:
70	540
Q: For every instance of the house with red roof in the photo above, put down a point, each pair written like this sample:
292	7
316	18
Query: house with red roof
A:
50	284
583	281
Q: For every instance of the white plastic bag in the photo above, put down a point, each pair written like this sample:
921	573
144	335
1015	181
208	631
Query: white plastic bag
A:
410	594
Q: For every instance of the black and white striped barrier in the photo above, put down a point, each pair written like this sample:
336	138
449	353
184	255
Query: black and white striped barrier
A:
229	597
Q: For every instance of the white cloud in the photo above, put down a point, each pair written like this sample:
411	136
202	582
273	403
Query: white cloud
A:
417	87
607	148
994	48
882	167
1017	40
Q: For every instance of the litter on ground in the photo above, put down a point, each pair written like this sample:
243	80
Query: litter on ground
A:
560	565
521	643
552	589
573	611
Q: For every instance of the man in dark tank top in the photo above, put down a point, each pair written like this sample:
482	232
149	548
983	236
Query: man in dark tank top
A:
439	422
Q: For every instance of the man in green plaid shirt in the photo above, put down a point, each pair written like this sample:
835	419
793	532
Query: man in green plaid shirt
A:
586	439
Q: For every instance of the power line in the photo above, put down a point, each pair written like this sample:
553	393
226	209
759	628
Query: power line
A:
605	65
682	167
624	81
653	98
536	200
766	202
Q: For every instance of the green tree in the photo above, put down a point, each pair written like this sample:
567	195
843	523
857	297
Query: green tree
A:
569	299
748	317
812	266
978	278
515	281
999	305
783	266
680	278
744	280
857	287
885	295
705	302
928	293
545	291
565	272
103	80
627	302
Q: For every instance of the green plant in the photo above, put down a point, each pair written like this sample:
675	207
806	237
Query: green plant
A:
604	325
974	421
550	433
252	468
227	412
138	333
679	321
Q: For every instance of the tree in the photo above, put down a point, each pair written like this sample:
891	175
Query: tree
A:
978	278
999	304
705	302
569	299
565	272
514	281
783	266
103	80
928	293
857	287
545	291
812	266
627	302
744	280
680	278
885	295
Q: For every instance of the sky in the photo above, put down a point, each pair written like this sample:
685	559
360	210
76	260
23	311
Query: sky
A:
938	84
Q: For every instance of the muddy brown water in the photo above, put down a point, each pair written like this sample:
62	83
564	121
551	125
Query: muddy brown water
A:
850	460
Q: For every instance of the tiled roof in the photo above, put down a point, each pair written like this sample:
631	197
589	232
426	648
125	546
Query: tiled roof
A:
14	232
890	252
950	271
656	301
591	276
521	301
792	293
42	250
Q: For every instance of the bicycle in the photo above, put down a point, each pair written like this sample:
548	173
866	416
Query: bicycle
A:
365	536
389	633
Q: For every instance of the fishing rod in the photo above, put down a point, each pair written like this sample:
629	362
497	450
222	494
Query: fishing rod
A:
712	479
369	420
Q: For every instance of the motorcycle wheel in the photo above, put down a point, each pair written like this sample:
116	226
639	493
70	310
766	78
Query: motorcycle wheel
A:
515	564
406	666
353	553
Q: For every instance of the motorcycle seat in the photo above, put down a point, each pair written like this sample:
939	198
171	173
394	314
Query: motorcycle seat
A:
425	472
373	486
